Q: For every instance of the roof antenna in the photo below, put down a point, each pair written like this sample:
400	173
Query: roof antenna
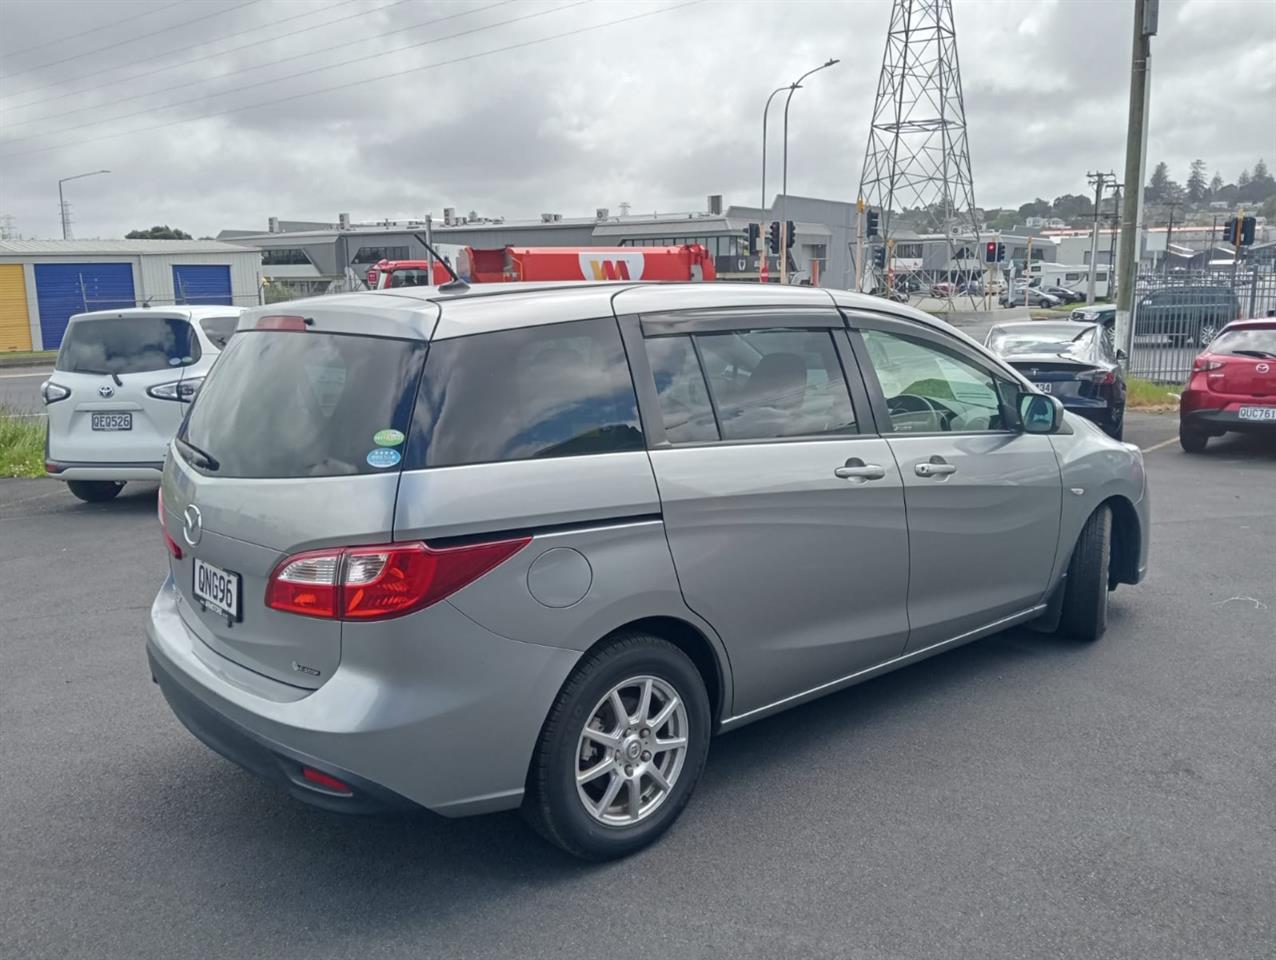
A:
456	284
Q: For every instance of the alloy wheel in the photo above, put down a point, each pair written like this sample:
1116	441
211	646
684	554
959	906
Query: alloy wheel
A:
631	751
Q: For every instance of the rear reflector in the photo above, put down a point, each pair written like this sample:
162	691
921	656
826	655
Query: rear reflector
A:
321	779
380	582
281	322
51	467
173	548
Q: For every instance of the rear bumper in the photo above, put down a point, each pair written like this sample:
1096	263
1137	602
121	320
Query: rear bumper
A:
98	470
1221	421
445	717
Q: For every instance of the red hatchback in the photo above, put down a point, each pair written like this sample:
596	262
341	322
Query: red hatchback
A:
1233	385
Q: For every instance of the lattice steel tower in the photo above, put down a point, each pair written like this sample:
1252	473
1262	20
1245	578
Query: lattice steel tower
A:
917	162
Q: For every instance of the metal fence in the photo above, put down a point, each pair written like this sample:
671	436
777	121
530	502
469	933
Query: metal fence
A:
1177	315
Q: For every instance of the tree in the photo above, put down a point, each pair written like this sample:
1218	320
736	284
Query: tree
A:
1072	206
1260	172
1196	188
158	233
1158	186
1243	180
1216	184
1268	208
1038	208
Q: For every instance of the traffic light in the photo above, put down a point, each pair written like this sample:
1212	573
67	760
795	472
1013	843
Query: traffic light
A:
1001	252
753	233
773	237
873	219
1232	230
990	252
790	233
1247	230
879	257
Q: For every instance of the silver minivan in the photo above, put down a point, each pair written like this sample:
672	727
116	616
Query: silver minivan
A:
533	545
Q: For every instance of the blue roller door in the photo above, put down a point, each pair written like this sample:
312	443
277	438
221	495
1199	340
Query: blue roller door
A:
63	289
201	283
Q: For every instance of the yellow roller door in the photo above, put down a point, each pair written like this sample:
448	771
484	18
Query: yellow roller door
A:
15	332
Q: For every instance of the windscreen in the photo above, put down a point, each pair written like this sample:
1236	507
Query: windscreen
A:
1247	342
304	404
127	345
1051	340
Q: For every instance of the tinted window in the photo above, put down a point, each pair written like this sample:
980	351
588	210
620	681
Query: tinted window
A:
127	345
681	391
283	404
550	391
1243	341
929	389
219	329
776	383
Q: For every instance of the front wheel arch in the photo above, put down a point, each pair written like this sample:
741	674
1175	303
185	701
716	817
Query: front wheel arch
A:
1127	541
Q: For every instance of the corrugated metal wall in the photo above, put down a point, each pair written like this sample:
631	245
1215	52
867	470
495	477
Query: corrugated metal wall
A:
15	330
202	283
157	275
64	289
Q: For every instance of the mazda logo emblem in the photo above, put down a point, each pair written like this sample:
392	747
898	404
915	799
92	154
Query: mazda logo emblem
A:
106	391
1263	367
192	525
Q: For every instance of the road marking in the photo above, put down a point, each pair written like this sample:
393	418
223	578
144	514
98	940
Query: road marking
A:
26	416
1158	446
24	376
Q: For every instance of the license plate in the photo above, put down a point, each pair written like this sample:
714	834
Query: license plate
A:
1046	387
217	588
112	421
1261	414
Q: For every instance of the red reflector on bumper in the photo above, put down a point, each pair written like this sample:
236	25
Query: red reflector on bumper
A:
321	779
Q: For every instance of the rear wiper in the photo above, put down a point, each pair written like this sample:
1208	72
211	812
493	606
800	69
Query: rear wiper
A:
101	373
209	462
1261	354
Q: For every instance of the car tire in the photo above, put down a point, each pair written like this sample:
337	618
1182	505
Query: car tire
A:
95	491
555	805
1192	439
1084	615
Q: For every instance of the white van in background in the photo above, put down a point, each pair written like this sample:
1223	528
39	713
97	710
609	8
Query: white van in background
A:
120	387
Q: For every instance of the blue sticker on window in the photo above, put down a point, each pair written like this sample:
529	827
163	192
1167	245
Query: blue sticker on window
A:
383	457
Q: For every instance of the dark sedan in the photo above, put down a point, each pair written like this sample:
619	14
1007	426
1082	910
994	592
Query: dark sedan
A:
1076	362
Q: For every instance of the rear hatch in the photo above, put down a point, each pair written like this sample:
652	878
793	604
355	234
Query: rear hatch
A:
1248	355
292	445
124	372
1061	378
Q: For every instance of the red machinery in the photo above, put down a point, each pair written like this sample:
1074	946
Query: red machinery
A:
510	264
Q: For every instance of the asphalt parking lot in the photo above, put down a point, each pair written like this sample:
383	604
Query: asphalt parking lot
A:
1019	797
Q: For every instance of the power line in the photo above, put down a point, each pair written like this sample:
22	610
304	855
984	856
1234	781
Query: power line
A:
293	76
112	23
193	46
260	66
134	39
358	83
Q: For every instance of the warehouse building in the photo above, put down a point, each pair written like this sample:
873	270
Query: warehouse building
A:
44	282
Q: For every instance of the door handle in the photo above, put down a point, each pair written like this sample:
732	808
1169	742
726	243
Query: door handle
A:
857	469
936	466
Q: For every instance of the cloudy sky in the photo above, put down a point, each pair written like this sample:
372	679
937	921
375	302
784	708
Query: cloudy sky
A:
220	113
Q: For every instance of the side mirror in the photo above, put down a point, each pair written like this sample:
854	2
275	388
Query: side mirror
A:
1121	354
1039	413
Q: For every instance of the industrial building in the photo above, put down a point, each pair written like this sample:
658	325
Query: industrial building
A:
44	282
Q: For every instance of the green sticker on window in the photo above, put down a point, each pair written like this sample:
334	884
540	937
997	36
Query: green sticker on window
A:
387	438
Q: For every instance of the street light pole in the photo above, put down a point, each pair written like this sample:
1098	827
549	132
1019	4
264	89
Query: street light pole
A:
66	223
784	201
762	205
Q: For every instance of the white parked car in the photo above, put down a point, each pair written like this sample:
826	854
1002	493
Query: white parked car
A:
120	387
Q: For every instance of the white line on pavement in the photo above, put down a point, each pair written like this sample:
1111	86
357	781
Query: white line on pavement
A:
1163	443
25	376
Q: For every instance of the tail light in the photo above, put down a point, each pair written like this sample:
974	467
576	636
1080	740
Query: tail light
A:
377	583
183	390
1202	364
174	550
51	392
281	322
1103	377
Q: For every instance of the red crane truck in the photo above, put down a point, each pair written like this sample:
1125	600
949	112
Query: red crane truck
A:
510	264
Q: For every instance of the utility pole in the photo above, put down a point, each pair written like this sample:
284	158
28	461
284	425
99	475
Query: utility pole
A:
1116	222
1100	181
1136	143
1169	236
859	246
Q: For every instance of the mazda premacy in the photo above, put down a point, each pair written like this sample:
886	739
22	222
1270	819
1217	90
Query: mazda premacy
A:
533	546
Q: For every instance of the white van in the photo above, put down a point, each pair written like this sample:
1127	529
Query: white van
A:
120	387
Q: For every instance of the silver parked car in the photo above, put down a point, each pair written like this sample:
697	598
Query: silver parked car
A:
532	545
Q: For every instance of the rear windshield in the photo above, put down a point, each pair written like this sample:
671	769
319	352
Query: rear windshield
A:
1247	342
127	345
292	404
1043	339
